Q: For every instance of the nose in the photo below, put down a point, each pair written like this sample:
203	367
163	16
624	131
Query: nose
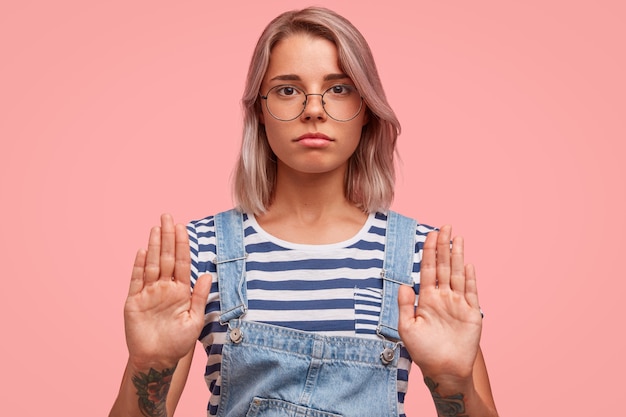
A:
314	108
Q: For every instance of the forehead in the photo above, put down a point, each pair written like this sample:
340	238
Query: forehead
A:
308	57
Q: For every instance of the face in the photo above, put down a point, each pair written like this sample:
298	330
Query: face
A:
312	143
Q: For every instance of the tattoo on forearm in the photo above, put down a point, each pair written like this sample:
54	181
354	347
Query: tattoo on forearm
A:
450	406
152	389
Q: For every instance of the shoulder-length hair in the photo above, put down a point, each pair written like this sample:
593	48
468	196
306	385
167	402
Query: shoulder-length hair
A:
370	177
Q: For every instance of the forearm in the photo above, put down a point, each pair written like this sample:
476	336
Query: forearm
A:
143	392
459	398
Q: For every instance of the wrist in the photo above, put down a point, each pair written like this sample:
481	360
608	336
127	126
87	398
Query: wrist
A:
453	374
446	385
145	365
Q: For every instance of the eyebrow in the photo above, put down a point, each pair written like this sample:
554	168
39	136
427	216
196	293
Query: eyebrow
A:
294	77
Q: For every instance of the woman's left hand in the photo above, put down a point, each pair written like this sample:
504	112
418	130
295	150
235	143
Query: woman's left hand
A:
442	334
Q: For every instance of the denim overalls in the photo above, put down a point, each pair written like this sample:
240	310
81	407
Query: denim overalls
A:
272	371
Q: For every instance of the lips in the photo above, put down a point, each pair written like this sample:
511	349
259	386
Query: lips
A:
314	140
318	136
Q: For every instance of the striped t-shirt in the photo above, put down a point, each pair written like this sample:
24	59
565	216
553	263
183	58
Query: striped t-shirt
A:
332	289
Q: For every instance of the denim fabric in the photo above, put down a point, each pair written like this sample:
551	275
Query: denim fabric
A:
397	268
230	264
272	371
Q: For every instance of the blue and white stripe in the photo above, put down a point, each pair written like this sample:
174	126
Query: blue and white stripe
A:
331	289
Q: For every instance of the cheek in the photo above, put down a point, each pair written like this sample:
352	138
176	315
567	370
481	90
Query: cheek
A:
273	132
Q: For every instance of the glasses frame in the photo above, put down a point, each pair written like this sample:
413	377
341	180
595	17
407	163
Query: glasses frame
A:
306	101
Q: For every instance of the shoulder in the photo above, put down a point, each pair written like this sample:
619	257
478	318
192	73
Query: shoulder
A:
207	223
421	229
204	230
407	229
201	229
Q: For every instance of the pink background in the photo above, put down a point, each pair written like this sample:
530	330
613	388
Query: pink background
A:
514	132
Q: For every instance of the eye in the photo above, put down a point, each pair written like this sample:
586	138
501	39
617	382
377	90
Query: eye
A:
341	90
286	91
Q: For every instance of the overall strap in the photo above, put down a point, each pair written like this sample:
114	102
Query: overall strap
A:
397	269
230	263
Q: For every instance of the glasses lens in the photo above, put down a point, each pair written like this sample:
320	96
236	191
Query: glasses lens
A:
341	102
285	102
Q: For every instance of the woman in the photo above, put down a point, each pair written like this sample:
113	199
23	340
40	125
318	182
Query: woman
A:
307	314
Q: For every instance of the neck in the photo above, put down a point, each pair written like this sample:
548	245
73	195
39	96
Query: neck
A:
311	208
308	194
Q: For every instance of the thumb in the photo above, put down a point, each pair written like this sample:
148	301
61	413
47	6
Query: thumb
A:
406	304
200	294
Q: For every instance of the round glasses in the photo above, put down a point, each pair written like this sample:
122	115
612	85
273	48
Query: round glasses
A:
341	102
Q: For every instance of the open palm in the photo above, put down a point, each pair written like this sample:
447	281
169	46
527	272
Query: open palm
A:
442	334
162	317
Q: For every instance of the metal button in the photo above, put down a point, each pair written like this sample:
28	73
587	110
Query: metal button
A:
387	356
236	335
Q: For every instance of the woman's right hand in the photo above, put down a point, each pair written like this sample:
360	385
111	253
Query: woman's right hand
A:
162	317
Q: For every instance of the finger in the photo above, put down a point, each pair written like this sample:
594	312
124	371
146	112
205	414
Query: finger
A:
428	271
443	256
406	305
168	247
182	268
471	289
200	294
457	266
136	277
151	271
